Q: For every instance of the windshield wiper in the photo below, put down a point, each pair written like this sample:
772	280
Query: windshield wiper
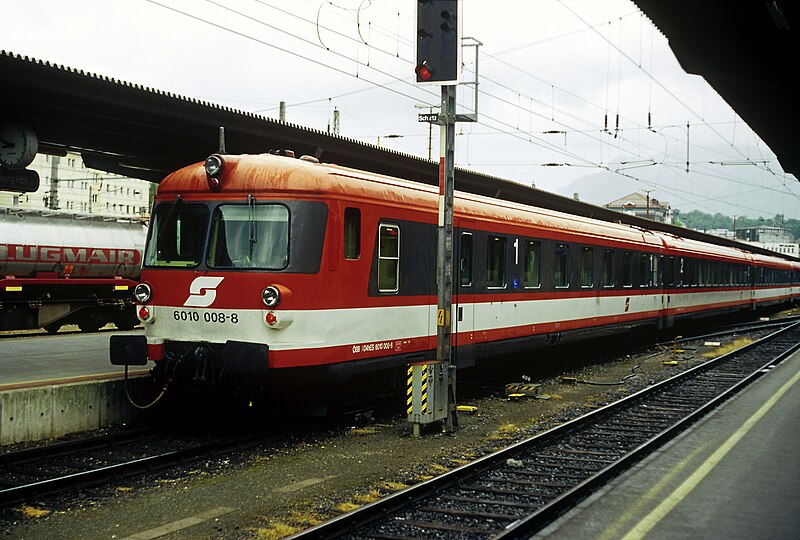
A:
251	204
178	199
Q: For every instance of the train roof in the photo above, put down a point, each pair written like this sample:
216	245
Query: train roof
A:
278	175
305	177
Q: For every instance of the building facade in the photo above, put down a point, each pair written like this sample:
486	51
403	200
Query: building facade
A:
66	184
643	206
764	233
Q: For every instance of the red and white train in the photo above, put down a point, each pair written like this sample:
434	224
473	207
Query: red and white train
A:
60	268
268	268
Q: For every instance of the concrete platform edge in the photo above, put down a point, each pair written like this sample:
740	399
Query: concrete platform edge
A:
50	411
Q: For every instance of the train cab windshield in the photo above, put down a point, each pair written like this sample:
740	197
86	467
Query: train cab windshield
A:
249	236
177	235
241	236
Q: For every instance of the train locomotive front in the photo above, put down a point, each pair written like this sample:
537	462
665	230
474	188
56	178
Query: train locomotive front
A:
233	249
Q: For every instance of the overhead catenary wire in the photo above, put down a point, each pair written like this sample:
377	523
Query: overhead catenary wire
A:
396	80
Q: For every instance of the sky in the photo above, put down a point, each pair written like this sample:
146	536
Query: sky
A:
574	95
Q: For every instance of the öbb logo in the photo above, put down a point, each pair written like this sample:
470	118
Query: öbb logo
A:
203	291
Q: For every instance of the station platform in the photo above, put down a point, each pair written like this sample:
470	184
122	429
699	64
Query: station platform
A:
55	385
45	359
733	475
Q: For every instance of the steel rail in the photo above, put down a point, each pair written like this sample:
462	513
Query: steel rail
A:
116	471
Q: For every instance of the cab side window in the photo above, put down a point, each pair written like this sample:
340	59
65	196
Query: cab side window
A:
352	233
388	258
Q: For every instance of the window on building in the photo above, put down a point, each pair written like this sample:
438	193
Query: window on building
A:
352	233
532	276
587	266
627	269
465	260
561	270
608	268
496	262
388	258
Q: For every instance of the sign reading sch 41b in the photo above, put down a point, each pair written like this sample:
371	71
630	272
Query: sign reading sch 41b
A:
432	118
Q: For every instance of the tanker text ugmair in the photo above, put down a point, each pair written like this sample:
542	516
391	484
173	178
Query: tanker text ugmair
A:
63	254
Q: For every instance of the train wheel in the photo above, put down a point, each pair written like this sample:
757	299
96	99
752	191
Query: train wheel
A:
126	321
89	325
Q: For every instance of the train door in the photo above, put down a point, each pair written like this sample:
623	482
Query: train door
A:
464	301
672	271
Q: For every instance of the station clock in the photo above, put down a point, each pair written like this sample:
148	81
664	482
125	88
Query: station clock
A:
18	146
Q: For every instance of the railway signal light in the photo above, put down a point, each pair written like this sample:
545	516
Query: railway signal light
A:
438	43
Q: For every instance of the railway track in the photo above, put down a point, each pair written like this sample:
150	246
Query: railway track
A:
62	467
517	491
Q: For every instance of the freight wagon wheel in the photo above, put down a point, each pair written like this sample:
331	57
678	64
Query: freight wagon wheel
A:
52	328
89	325
126	324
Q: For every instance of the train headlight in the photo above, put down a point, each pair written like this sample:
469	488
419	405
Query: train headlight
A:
214	165
271	296
142	293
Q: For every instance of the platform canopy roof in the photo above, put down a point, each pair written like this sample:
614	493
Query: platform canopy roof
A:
146	133
747	50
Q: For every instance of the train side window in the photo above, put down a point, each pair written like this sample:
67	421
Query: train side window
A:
608	268
561	270
627	269
645	270
669	270
587	266
465	260
496	262
352	233
388	258
532	277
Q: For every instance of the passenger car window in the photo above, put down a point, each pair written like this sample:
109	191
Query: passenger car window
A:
561	270
587	266
608	268
627	269
496	262
645	270
532	276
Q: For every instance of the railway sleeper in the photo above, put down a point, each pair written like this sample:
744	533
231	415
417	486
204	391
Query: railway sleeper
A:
436	526
539	497
459	512
489	502
532	483
571	459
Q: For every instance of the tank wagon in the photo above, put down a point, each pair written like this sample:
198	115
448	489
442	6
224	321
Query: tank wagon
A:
265	268
60	268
